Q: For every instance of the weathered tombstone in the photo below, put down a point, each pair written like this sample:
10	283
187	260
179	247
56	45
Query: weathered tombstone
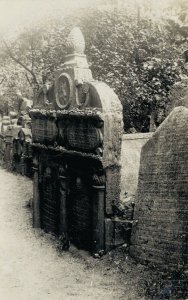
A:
9	136
17	150
130	162
22	151
77	131
13	117
160	231
15	143
5	123
8	147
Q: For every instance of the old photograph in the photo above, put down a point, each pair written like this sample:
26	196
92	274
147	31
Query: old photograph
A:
93	149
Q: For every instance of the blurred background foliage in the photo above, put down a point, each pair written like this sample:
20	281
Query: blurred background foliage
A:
138	50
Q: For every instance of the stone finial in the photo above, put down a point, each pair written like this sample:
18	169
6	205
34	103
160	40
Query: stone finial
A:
76	42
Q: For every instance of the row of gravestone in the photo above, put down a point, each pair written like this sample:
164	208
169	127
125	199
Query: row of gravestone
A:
15	142
77	139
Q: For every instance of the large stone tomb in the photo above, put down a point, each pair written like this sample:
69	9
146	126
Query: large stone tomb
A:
77	133
160	231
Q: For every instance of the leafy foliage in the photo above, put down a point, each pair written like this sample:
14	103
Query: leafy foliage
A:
138	57
139	60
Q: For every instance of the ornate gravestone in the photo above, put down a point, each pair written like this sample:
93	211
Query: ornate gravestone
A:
77	131
160	232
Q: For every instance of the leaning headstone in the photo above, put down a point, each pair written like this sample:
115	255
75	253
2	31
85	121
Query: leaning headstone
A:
160	231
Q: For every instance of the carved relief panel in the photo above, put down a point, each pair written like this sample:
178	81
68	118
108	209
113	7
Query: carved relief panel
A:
44	130
50	199
80	212
63	91
81	134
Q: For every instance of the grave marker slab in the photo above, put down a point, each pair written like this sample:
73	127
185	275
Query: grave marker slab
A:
160	231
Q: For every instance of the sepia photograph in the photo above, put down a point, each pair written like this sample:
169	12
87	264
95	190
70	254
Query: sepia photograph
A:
93	149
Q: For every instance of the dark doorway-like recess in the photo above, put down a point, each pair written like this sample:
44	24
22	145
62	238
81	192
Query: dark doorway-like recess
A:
79	207
50	196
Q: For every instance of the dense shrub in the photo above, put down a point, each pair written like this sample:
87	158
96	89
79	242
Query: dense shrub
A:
140	60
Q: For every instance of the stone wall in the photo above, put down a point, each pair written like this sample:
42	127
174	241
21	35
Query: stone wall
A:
130	162
160	231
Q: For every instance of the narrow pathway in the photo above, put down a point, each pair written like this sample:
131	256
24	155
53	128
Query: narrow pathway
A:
31	268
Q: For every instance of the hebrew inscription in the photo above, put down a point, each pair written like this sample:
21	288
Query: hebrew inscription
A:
161	210
83	135
43	130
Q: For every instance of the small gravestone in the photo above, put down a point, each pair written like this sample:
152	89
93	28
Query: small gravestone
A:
160	231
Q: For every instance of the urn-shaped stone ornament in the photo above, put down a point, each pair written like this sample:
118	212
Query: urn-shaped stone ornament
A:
75	41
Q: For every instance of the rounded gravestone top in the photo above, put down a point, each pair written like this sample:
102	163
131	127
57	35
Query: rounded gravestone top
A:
76	41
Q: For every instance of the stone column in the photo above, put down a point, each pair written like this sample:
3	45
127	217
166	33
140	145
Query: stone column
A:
63	208
36	197
98	195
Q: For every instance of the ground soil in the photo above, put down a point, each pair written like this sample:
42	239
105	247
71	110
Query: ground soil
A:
32	266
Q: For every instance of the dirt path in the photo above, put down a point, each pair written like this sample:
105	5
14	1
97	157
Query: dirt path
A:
31	268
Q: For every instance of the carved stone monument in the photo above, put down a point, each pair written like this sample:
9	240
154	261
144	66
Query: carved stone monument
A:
160	231
77	132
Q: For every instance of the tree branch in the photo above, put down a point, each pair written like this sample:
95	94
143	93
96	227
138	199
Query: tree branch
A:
2	80
20	63
26	75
